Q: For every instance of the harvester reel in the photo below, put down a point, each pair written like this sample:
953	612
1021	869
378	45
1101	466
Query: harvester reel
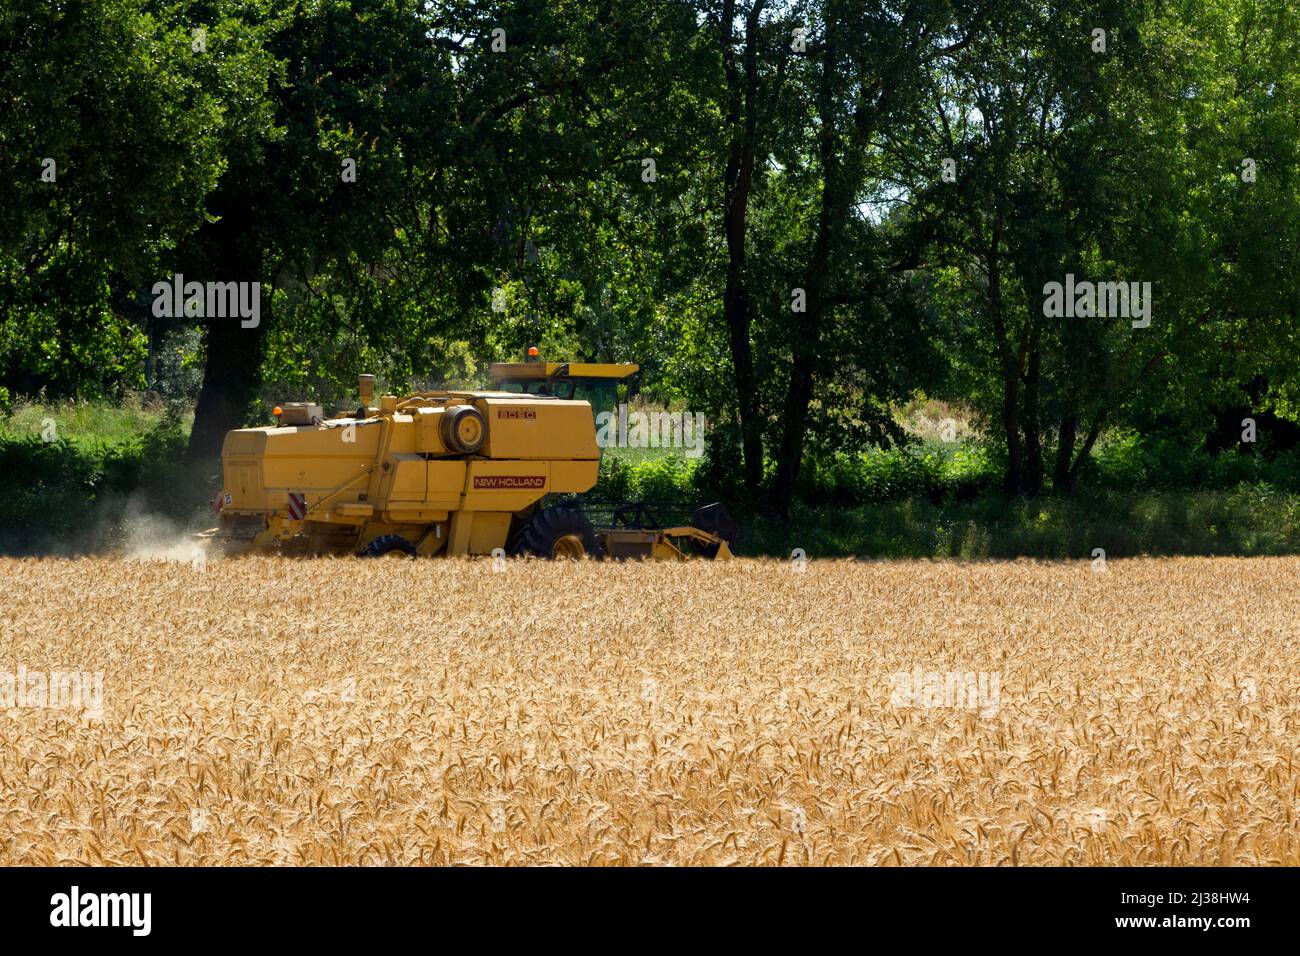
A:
463	429
715	519
555	533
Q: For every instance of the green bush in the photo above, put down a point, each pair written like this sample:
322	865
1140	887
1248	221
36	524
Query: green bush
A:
1131	462
668	478
1250	519
76	495
934	472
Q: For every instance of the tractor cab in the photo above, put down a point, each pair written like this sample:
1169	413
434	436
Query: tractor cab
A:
592	382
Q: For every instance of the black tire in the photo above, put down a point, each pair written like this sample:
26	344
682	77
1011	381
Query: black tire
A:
715	519
387	544
549	532
455	421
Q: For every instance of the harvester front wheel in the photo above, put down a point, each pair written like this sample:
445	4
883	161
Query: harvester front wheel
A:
554	533
388	545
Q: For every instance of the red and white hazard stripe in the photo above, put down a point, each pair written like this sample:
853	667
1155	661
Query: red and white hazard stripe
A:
297	506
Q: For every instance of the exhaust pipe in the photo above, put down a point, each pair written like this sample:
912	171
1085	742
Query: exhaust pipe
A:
366	386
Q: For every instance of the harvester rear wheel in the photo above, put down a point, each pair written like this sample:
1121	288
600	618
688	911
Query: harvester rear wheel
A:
554	533
388	545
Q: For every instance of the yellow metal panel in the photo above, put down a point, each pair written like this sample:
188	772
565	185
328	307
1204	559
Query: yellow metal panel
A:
243	482
446	483
434	538
505	485
262	465
411	513
573	477
244	441
409	478
458	533
427	436
528	429
402	437
489	531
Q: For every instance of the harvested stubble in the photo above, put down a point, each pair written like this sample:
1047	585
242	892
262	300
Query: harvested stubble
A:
274	710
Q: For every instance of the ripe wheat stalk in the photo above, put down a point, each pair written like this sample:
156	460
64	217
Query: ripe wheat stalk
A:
288	711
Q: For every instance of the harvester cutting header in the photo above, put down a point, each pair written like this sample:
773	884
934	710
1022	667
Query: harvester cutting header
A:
447	472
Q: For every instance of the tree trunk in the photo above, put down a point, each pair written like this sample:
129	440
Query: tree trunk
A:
1014	480
798	398
1084	451
1064	453
1033	435
150	361
232	372
230	381
806	340
1100	422
736	304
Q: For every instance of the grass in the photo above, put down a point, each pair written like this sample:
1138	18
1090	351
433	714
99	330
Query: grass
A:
725	713
91	425
84	473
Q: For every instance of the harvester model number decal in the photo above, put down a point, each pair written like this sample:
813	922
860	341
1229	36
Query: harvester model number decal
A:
297	506
509	482
522	413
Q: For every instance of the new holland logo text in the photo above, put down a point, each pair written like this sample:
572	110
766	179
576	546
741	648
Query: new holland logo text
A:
509	482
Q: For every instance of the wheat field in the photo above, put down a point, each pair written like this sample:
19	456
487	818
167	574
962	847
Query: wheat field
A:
340	711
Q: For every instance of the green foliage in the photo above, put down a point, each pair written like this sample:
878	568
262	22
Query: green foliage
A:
1249	519
886	475
104	90
935	473
668	478
1129	461
107	467
91	425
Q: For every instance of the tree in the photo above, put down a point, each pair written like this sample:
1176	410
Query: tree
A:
107	152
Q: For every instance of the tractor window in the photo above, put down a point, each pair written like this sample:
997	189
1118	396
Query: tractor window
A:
601	393
532	386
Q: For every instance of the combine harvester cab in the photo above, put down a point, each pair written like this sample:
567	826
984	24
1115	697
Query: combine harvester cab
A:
444	472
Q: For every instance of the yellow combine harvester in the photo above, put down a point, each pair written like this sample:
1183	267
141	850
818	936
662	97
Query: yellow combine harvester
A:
445	472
